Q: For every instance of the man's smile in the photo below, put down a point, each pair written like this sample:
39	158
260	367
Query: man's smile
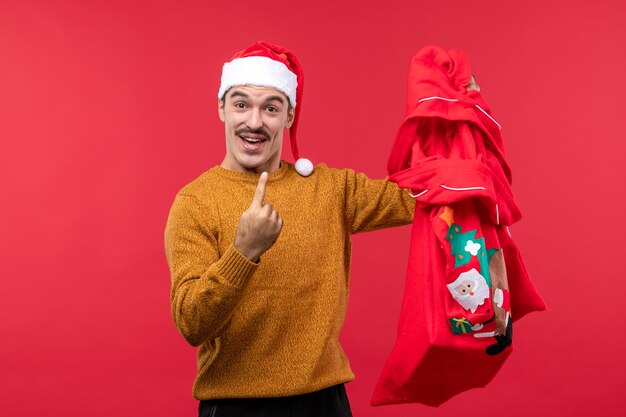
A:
252	139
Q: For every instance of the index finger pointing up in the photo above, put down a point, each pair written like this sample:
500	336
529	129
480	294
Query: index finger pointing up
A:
259	194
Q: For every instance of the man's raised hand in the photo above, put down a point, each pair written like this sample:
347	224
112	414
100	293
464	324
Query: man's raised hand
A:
259	226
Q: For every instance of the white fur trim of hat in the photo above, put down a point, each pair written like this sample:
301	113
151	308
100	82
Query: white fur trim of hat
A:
260	71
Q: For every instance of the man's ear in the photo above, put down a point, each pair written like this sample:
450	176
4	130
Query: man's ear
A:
220	108
290	117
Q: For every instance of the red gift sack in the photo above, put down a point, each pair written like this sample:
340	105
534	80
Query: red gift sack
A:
466	281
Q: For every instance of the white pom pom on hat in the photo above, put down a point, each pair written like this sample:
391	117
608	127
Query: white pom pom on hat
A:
268	65
304	167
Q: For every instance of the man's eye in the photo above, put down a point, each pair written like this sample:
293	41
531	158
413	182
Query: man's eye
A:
240	105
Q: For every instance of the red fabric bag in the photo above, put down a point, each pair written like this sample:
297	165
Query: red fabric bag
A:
466	280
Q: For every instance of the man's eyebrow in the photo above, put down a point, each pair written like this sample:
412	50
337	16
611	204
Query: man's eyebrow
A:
239	94
267	99
278	98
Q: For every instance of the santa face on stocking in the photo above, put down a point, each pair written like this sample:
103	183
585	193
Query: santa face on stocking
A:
470	290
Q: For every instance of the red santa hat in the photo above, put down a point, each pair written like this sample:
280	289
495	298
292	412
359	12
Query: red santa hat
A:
268	65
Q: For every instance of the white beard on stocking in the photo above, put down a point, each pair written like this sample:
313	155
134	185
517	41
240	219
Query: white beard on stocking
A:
470	289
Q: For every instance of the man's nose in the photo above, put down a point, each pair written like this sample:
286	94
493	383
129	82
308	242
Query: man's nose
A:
254	121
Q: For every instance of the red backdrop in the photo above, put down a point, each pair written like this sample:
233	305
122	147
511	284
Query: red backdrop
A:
107	108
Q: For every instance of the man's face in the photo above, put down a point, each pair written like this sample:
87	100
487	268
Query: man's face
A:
254	119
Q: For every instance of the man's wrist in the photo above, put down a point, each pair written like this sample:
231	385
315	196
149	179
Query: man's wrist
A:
251	255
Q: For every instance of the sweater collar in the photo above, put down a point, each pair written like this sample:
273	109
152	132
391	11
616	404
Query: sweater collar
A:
253	177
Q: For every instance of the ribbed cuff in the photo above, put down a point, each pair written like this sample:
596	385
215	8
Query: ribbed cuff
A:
235	267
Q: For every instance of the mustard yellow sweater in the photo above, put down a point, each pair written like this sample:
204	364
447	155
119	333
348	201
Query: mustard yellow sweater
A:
271	329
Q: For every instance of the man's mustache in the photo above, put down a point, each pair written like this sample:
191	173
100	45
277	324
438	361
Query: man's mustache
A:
262	132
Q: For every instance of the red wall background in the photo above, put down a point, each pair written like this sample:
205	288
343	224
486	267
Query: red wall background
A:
107	108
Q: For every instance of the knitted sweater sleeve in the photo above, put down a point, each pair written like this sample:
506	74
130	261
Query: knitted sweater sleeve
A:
206	284
373	204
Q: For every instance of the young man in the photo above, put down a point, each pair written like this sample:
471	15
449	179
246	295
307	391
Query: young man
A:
259	253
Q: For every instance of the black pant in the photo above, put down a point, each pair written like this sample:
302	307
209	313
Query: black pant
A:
329	402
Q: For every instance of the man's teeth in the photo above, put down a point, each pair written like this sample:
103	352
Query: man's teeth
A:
252	140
